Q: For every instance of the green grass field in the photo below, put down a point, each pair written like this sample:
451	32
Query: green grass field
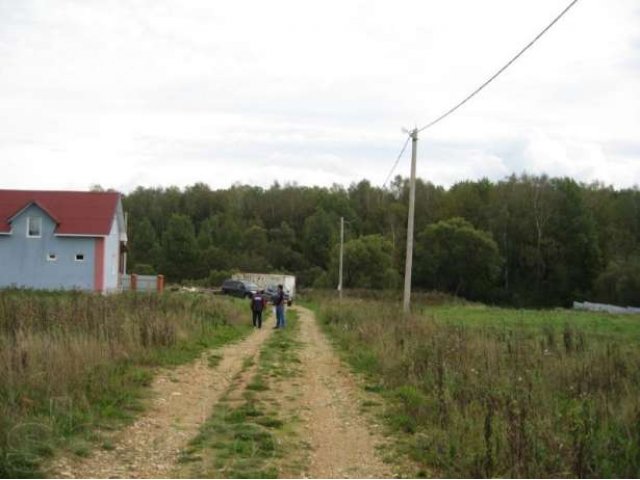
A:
74	363
476	391
603	325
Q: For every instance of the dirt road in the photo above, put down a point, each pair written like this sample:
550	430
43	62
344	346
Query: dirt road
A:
343	444
337	440
182	400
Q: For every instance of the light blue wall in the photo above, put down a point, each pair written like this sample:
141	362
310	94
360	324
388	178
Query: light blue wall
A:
23	261
112	258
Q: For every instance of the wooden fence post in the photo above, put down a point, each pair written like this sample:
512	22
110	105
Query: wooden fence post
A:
160	283
134	282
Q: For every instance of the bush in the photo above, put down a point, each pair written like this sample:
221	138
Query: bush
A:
143	269
216	277
453	256
367	263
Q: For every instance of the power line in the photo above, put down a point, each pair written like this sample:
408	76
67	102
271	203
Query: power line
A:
404	147
480	88
414	149
495	75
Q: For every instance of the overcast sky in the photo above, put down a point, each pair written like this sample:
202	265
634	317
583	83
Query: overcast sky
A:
160	93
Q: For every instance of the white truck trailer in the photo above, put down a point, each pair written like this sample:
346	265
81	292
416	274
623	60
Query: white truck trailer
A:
263	280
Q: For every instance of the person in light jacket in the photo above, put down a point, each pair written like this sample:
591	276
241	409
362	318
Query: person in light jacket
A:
278	302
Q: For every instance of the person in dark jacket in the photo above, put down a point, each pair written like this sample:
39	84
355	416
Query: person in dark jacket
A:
258	302
278	302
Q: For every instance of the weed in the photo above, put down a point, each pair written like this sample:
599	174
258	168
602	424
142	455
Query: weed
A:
475	391
258	384
71	362
213	360
248	363
81	449
108	445
270	422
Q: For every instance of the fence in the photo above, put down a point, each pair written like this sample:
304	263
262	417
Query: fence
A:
602	307
142	283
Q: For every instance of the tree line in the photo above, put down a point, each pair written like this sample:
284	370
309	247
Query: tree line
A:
523	241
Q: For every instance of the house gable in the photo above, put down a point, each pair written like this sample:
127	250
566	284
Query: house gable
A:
20	221
75	213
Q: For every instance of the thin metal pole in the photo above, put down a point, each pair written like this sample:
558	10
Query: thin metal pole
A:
406	306
341	256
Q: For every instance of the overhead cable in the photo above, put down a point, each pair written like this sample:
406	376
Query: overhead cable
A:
495	75
404	147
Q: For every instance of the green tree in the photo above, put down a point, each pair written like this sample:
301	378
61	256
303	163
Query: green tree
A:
319	235
453	256
256	240
575	254
619	284
144	247
253	256
213	258
197	202
282	253
555	235
283	235
470	200
367	263
180	249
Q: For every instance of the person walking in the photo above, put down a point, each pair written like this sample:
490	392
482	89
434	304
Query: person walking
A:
258	302
278	302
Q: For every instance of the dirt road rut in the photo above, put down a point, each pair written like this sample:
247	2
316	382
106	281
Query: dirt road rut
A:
343	443
182	400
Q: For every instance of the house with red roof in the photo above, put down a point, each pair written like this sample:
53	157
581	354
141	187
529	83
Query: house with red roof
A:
62	240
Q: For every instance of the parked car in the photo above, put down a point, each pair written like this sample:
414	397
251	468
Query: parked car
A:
272	290
239	288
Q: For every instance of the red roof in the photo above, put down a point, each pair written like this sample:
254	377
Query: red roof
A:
76	213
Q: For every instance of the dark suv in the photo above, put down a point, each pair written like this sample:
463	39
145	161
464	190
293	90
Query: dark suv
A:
239	288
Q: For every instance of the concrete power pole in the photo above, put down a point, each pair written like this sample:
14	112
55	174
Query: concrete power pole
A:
406	306
341	255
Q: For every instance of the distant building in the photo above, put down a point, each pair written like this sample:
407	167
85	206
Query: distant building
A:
62	240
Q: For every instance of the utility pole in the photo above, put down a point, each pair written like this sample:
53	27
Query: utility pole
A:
412	200
341	255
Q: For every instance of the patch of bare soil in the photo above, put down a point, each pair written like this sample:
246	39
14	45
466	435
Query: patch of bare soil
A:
342	441
182	400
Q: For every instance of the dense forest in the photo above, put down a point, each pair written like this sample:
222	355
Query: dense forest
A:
523	241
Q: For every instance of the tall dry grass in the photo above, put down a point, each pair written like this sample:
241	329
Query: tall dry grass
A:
495	399
71	361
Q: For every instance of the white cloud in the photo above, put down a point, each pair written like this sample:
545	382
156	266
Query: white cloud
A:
157	93
583	161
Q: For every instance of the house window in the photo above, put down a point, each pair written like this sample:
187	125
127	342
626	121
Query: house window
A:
34	227
52	257
79	257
